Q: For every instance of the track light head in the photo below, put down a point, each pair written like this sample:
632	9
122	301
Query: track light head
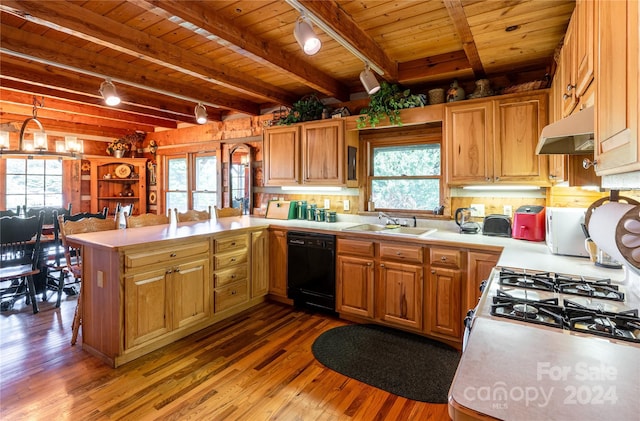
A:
201	113
108	92
369	81
306	37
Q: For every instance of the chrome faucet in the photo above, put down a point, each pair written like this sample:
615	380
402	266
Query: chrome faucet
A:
390	220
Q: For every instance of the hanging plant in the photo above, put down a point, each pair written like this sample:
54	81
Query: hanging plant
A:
388	102
308	108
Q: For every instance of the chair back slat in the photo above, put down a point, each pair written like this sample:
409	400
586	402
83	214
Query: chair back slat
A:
193	215
20	240
50	213
223	212
146	219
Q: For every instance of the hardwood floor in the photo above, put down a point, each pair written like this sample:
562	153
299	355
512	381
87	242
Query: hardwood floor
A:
257	366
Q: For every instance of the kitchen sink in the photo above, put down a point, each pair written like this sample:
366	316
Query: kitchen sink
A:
391	230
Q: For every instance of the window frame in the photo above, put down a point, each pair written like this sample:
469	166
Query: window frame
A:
25	174
403	138
191	157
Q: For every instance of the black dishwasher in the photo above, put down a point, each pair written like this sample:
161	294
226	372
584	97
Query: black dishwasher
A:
311	270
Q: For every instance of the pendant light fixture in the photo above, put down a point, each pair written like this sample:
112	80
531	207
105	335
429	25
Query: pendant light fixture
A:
369	80
108	92
306	37
38	146
201	113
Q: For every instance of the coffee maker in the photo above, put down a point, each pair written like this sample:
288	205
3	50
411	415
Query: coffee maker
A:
463	219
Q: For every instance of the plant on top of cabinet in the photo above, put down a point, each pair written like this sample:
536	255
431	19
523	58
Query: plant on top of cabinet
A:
388	102
308	108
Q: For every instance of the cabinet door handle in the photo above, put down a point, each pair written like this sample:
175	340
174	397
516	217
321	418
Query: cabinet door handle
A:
176	270
233	243
169	272
233	259
443	258
172	255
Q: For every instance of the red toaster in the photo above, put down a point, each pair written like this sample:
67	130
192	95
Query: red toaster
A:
529	223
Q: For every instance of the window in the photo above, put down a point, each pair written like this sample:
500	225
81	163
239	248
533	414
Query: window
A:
192	181
405	175
33	183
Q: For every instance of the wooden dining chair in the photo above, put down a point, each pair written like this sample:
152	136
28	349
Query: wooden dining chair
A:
73	256
56	273
19	259
146	219
223	212
193	215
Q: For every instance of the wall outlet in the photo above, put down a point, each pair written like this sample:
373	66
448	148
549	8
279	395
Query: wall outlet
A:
345	205
327	203
479	210
507	210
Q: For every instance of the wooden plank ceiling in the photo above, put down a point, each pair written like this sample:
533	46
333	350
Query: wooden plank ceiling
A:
164	56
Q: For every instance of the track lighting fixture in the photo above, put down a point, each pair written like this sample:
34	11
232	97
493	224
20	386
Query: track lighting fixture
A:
369	80
201	113
108	92
306	37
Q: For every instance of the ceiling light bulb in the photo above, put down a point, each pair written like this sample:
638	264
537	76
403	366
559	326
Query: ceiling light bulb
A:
201	114
40	141
108	92
73	144
306	37
369	81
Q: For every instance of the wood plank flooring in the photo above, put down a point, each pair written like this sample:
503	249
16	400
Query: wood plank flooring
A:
257	366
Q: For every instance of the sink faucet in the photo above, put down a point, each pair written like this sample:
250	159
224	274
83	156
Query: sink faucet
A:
390	220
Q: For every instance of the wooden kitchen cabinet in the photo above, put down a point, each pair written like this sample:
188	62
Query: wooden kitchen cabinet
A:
493	141
312	153
479	266
323	152
118	180
355	267
584	44
278	263
617	109
259	263
569	74
282	156
444	294
401	285
165	290
231	272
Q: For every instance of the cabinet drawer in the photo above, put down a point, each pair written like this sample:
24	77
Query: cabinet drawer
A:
405	253
357	247
231	243
446	258
165	256
230	295
227	276
225	260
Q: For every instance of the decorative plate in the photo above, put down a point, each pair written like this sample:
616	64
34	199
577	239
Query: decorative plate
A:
152	198
122	171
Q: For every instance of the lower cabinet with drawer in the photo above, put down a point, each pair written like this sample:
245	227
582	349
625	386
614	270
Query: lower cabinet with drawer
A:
231	272
165	290
444	294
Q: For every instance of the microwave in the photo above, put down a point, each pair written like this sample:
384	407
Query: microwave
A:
564	234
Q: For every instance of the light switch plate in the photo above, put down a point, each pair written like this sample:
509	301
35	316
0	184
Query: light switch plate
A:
345	205
479	210
327	203
507	210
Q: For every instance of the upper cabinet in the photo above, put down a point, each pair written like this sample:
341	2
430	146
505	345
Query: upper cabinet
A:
568	70
119	180
313	153
584	42
493	140
617	111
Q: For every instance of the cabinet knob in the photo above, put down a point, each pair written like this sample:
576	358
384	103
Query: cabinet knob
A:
233	259
566	96
381	265
233	276
172	255
233	292
443	258
369	264
398	253
168	272
497	178
570	87
433	271
176	270
233	243
587	163
488	179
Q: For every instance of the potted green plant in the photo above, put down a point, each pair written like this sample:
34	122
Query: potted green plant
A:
388	102
308	108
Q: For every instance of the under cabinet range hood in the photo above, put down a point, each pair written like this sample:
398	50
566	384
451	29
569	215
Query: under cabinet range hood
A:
572	135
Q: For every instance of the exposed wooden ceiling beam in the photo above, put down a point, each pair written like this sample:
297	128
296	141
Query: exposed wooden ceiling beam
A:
432	66
108	114
74	20
43	77
456	12
46	50
333	16
63	127
197	17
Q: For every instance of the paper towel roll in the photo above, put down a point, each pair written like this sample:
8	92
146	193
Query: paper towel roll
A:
602	228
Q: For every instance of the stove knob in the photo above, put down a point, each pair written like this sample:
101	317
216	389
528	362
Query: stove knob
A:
483	285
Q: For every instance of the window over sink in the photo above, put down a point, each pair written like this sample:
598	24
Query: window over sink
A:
405	174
